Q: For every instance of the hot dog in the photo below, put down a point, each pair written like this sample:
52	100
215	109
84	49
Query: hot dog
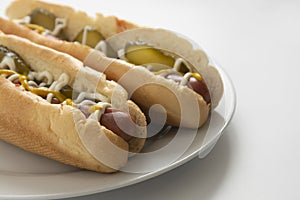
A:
182	64
53	106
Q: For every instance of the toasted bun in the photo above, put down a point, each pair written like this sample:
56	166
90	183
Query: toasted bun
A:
77	20
115	69
62	132
173	42
34	125
182	105
76	50
158	37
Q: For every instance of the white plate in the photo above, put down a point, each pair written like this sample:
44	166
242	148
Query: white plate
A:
27	176
24	175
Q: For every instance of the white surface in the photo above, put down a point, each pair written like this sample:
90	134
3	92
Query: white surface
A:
257	43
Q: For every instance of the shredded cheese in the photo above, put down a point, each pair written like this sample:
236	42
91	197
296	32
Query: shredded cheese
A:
87	95
24	20
60	83
60	23
9	62
13	77
102	46
43	76
49	97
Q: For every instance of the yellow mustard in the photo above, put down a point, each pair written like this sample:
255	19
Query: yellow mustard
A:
35	27
94	108
7	72
69	102
197	76
43	92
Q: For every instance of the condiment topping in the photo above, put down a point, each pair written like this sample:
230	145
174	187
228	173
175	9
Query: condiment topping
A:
165	64
90	37
44	22
43	84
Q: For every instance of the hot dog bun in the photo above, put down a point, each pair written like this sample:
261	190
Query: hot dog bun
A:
62	132
107	25
116	69
172	42
148	90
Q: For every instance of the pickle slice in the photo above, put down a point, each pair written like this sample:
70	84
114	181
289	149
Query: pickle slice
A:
183	68
93	37
3	52
43	18
21	66
67	91
142	54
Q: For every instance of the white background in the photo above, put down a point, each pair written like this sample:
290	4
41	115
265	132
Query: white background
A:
258	43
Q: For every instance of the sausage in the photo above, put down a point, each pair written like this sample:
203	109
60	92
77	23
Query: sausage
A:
199	86
115	120
54	100
119	122
16	82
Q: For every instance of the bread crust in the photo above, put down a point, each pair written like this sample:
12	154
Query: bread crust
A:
116	69
148	90
77	20
76	50
49	130
62	132
173	42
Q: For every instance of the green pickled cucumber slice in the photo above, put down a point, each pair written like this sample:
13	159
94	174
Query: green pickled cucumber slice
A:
142	54
21	66
43	18
67	91
3	52
93	37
